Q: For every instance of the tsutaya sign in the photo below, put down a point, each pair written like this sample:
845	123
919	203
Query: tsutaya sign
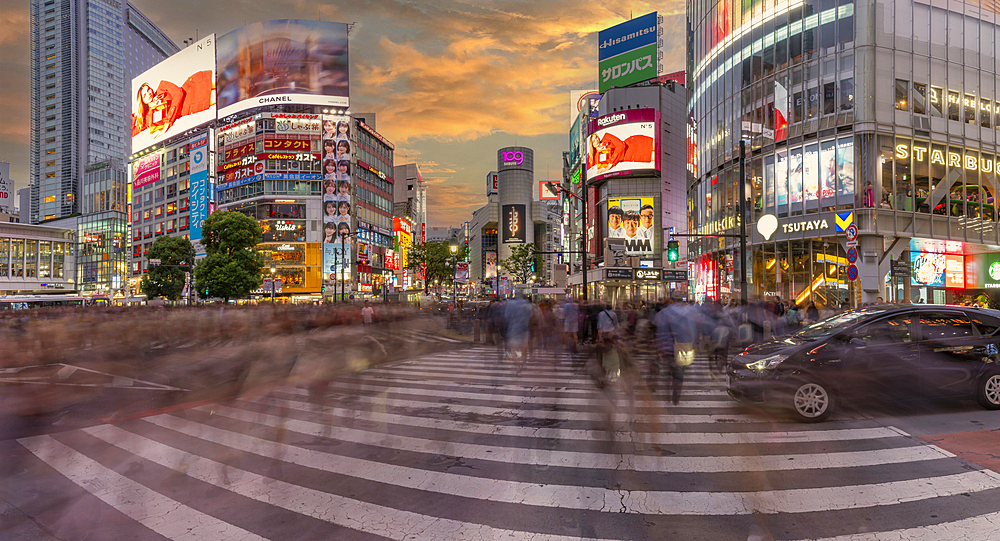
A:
768	224
972	160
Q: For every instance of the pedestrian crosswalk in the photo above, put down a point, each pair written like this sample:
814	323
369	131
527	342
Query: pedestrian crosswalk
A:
459	445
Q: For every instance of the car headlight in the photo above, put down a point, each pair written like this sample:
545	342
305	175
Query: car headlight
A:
767	362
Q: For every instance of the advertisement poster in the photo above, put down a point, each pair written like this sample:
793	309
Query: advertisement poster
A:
490	265
769	181
781	177
623	143
631	219
828	170
492	183
337	262
175	95
954	271
146	170
283	62
928	269
627	52
199	189
845	170
6	187
810	175
462	272
514	223
795	176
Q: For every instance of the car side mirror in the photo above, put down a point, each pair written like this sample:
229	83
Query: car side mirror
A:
858	343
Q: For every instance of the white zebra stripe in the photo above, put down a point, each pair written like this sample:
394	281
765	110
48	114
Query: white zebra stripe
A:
163	515
572	459
576	497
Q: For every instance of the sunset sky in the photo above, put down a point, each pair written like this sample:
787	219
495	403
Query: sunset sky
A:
451	81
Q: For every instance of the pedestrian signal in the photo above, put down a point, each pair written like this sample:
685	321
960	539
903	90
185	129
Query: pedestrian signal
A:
673	250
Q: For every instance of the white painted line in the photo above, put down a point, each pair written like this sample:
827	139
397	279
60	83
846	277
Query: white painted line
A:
661	438
573	459
519	400
153	510
333	508
576	497
979	528
525	379
514	412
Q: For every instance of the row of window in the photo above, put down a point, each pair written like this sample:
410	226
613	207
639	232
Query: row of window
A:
159	228
924	99
28	258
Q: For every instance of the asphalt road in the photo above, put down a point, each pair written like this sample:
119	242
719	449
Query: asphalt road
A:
456	445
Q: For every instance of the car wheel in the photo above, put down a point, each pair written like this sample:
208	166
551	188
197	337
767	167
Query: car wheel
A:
988	394
812	402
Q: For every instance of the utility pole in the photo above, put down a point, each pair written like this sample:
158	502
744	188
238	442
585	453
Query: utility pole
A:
743	221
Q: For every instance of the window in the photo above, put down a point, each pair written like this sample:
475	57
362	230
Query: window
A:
985	325
50	199
969	106
893	330
159	211
954	105
944	325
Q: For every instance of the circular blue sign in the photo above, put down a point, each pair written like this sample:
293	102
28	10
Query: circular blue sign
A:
852	272
852	254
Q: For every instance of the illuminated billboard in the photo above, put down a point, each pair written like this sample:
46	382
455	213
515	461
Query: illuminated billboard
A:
280	62
623	143
175	95
548	191
627	52
631	219
146	170
513	228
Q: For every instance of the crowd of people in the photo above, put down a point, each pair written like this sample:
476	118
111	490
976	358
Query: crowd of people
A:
662	337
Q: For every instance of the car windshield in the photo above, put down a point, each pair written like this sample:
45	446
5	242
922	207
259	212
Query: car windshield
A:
835	323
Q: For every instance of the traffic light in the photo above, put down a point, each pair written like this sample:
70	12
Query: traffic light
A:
673	250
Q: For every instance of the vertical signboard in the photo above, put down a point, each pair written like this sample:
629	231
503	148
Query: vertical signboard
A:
199	190
5	187
492	183
146	170
512	229
338	202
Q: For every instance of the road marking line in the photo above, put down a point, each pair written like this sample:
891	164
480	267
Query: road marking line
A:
978	528
664	438
520	455
163	515
568	496
333	508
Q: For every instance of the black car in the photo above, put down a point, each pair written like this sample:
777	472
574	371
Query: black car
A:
919	351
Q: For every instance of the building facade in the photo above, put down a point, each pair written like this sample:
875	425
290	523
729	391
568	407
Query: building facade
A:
879	114
84	54
36	259
627	152
410	198
375	196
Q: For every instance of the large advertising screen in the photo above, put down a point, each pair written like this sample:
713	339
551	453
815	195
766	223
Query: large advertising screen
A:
632	219
514	223
623	143
175	95
928	269
283	62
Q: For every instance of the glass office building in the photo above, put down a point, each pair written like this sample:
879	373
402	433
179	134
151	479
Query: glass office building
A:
880	114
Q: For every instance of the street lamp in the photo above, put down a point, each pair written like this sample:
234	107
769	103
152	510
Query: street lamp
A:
273	270
497	278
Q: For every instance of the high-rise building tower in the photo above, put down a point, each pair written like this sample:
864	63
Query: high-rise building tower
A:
84	54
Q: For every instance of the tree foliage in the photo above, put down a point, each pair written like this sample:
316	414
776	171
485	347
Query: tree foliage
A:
518	265
232	267
167	282
438	258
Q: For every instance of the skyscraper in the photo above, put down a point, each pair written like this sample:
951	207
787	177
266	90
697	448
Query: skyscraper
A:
84	54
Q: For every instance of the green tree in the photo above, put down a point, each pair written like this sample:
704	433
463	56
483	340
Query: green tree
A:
167	282
439	260
232	267
519	264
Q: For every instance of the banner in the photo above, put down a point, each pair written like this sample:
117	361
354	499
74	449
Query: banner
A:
514	223
5	187
199	191
146	170
633	220
462	272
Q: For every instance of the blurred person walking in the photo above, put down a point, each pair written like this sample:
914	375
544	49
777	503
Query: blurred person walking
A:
675	335
571	324
367	314
517	313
